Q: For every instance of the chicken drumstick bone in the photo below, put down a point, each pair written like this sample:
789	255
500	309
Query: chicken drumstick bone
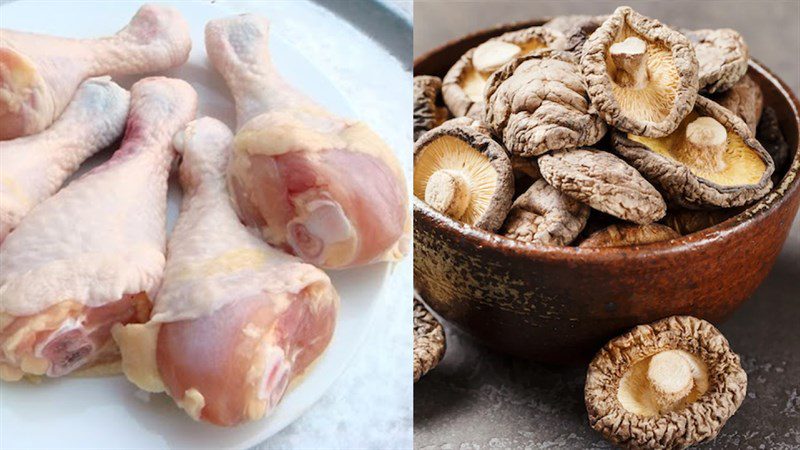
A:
39	74
327	189
93	254
235	320
33	168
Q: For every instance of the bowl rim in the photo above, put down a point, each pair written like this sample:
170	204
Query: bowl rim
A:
775	198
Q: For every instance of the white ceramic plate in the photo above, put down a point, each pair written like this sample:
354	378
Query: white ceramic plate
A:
111	413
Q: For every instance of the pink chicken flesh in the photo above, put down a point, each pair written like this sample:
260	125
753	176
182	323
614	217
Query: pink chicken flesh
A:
324	188
39	74
67	336
92	255
235	320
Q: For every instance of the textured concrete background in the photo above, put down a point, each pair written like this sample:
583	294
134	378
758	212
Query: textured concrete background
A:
479	399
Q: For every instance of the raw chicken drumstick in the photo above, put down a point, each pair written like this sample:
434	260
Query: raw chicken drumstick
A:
327	189
33	168
39	74
93	254
235	320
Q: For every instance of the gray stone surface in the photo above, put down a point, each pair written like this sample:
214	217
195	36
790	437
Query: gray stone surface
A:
480	399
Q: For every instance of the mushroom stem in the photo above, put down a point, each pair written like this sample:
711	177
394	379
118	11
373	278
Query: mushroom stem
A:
670	376
630	58
448	192
493	54
706	141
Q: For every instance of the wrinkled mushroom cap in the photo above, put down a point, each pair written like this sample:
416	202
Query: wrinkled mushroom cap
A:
657	103
625	385
688	221
722	57
568	23
741	174
744	99
429	341
460	153
623	235
463	85
525	167
604	182
539	103
576	29
542	215
429	113
771	137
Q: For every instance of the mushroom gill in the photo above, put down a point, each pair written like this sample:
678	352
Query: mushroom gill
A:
490	56
644	77
663	382
452	177
709	151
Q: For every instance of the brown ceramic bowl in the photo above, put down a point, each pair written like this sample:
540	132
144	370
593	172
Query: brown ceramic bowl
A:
556	304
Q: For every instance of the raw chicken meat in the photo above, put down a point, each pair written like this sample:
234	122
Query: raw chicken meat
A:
39	74
327	189
235	320
33	168
93	254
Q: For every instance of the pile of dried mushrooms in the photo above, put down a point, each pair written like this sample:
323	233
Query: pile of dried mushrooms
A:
619	114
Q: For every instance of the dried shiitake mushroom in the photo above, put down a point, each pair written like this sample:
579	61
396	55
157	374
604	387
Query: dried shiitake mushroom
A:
744	99
688	221
463	85
623	235
542	215
538	103
770	136
568	23
462	173
429	341
711	160
604	182
597	221
429	111
667	385
526	171
525	167
722	57
575	28
641	75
